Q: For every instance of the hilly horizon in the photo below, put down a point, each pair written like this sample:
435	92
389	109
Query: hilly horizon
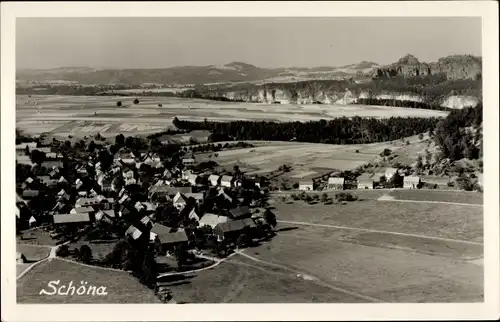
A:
453	66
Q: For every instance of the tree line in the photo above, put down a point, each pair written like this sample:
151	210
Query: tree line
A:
401	103
460	134
342	130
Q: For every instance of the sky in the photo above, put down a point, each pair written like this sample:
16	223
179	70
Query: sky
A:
265	42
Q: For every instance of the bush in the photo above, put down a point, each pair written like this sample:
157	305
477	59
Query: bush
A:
85	254
345	196
295	185
136	101
119	103
385	153
62	251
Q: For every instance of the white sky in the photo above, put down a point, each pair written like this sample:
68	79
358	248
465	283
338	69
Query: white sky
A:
264	42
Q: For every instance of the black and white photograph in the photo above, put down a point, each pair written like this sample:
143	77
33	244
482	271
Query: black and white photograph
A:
227	159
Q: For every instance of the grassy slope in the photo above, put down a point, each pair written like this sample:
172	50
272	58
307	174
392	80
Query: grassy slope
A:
121	287
439	220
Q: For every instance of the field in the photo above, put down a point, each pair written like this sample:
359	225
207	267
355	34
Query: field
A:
447	196
308	160
121	286
75	115
33	253
365	251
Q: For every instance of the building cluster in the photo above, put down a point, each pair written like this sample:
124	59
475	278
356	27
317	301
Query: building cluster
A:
367	181
138	190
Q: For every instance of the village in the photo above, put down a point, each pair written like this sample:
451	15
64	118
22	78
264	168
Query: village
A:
154	208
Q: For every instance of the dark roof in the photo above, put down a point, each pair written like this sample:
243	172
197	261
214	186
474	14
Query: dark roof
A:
71	218
168	236
236	225
31	193
240	212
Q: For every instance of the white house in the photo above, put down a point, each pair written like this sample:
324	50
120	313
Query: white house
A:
411	182
188	162
32	221
336	183
179	201
214	180
227	181
306	185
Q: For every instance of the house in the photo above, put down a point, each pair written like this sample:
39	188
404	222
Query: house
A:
32	222
105	215
390	172
54	173
232	229
147	222
212	220
411	182
167	237
128	174
365	182
80	218
20	258
18	212
188	162
62	194
227	181
62	180
51	155
43	179
48	164
198	197
82	210
29	145
167	191
86	202
186	174
306	185
179	201
192	179
214	180
133	233
336	183
193	215
124	198
29	194
240	212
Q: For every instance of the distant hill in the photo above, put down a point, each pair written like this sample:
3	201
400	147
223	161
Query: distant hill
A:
228	73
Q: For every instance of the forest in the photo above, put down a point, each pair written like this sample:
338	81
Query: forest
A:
343	130
459	135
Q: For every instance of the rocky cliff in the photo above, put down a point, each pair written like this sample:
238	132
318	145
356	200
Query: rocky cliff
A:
452	67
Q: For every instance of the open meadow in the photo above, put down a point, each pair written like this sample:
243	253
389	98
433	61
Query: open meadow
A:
364	251
83	115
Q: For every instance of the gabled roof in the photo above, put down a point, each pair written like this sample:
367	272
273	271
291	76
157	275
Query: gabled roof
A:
146	221
306	182
213	177
71	218
167	235
32	219
179	198
239	212
227	178
81	210
212	220
336	181
133	232
196	196
236	225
